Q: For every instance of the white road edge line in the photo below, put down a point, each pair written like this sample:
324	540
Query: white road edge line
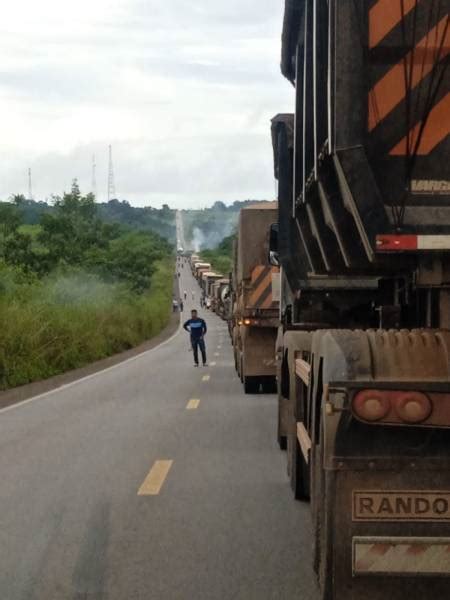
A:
92	375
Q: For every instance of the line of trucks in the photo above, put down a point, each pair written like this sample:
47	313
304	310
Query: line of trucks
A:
340	292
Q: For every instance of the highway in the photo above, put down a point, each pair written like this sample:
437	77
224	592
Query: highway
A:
151	480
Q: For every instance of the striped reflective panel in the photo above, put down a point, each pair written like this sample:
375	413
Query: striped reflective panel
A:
393	87
261	283
436	130
384	16
401	556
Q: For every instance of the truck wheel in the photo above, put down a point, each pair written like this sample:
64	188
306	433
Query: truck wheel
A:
299	472
323	517
269	385
282	439
251	385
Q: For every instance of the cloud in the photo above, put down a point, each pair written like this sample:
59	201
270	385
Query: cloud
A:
183	90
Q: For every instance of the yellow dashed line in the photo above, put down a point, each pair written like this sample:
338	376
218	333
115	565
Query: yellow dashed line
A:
205	378
193	404
153	483
213	364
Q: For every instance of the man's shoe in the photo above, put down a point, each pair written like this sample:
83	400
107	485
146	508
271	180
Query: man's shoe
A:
205	364
196	365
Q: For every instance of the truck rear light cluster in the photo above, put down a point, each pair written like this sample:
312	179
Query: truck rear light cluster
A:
371	405
402	407
248	322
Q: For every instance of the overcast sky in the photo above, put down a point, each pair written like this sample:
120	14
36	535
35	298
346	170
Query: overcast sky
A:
183	90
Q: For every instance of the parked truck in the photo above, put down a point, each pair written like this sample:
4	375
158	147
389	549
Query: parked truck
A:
199	269
220	294
208	279
362	237
255	289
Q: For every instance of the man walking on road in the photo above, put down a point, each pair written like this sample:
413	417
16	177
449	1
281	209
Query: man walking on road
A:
197	328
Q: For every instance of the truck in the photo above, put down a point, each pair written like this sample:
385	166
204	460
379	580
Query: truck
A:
208	280
220	294
194	259
362	238
255	297
199	269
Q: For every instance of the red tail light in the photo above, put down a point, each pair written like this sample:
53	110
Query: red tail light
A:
371	405
402	407
413	407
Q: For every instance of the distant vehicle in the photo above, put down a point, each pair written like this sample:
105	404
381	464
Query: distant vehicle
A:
255	286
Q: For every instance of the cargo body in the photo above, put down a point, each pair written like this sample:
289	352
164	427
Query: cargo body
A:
207	281
362	238
220	297
255	286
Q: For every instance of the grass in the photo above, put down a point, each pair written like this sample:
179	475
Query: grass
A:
67	321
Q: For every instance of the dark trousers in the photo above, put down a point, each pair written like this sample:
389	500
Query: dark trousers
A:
196	344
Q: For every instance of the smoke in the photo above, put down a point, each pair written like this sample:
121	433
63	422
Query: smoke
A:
79	288
210	239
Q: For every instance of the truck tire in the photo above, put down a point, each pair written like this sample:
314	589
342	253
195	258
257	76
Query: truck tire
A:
282	439
299	472
251	385
269	385
323	515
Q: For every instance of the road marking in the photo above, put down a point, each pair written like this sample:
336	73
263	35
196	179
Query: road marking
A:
153	483
213	364
193	404
205	378
216	353
219	347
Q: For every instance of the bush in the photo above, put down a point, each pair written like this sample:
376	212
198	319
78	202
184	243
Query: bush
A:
69	320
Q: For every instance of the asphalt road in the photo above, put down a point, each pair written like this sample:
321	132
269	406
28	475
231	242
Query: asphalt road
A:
112	489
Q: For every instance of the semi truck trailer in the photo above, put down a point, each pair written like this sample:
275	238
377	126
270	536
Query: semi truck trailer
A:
221	292
255	289
362	238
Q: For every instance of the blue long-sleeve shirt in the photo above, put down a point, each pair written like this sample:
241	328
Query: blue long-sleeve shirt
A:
196	327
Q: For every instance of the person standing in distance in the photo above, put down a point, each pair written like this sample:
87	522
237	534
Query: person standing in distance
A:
197	328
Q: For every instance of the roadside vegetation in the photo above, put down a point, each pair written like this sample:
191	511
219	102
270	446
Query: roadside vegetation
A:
220	257
157	220
74	288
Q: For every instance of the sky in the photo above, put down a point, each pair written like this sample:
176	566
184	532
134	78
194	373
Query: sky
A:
183	90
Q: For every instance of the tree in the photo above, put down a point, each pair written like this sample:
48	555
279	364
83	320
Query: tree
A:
10	219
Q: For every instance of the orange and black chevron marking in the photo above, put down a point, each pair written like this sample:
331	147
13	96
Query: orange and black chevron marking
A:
384	16
436	130
261	282
408	41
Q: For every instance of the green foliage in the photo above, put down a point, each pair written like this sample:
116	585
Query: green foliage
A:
65	322
74	289
221	256
206	228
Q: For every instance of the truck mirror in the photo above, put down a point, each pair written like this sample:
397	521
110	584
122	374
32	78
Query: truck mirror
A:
273	246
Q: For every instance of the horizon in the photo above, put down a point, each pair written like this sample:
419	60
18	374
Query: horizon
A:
187	114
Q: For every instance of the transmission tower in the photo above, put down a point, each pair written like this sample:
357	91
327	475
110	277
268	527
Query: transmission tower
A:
30	189
111	186
94	177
